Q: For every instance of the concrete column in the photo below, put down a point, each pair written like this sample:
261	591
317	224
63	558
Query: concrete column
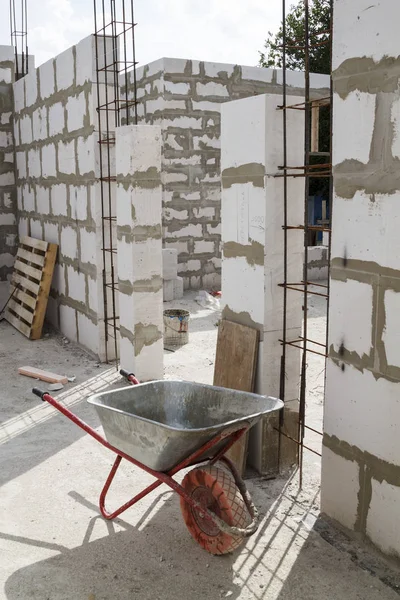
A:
139	231
252	238
361	444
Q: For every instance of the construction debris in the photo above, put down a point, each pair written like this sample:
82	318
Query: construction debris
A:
42	375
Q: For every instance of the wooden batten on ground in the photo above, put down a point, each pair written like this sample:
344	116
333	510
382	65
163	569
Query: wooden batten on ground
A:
235	368
30	282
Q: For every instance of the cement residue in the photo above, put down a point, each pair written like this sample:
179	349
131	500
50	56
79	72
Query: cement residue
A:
145	335
253	252
366	75
243	318
253	173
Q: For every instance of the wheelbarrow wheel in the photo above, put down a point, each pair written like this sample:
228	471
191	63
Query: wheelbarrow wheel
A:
215	489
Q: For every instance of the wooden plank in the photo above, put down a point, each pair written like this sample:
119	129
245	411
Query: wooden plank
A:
19	325
42	375
43	296
28	270
31	257
235	368
34	243
25	283
20	311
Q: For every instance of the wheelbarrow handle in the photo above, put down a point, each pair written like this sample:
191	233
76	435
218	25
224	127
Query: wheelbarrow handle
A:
129	376
39	393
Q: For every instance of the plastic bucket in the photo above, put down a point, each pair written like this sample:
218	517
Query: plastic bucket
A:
176	327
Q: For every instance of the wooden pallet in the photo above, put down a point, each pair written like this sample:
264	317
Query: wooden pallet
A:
31	280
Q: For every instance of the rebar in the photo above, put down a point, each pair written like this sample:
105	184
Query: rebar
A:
19	36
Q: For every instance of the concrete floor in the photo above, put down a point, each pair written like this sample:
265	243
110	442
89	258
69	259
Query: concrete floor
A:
55	546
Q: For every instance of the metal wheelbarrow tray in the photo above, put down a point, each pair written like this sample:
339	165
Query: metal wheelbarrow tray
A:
162	422
163	427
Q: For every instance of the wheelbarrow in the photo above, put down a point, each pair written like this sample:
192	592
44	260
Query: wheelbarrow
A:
163	427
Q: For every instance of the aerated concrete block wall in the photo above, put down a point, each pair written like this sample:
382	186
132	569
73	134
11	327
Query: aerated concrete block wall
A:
57	193
8	201
139	231
184	98
361	444
252	250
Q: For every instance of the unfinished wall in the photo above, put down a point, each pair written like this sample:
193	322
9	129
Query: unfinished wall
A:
184	98
361	452
139	231
56	169
8	203
252	247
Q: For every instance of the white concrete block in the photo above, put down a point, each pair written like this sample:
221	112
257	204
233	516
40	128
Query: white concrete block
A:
34	163
39	123
49	168
42	200
76	283
21	165
351	298
168	290
257	74
359	25
56	119
391	334
173	65
379	222
86	155
31	91
23	226
340	487
87	332
363	411
76	110
173	105
93	293
68	322
78	199
218	69
183	122
396	127
169	214
19	95
59	199
170	263
205	246
352	139
5	75
212	89
67	157
58	281
84	60
65	70
188	231
156	105
173	177
51	233
26	129
5	118
180	88
69	244
206	106
245	297
28	198
178	288
47	79
36	229
383	524
7	219
88	246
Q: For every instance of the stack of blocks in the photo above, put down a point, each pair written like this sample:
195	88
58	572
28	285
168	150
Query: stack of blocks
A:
173	285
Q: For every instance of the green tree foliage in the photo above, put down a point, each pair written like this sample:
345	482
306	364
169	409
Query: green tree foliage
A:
319	62
319	21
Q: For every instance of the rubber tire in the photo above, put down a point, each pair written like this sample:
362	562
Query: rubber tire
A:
217	488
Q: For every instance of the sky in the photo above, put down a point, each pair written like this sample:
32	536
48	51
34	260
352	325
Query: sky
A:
230	31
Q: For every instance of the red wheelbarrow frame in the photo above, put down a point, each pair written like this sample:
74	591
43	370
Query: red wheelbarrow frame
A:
161	477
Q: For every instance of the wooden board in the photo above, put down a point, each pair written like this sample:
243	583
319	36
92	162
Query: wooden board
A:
42	375
235	368
33	272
